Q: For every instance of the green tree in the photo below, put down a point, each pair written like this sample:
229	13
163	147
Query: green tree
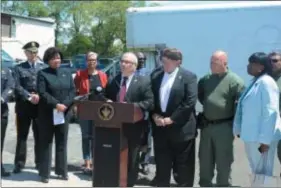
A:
95	25
79	44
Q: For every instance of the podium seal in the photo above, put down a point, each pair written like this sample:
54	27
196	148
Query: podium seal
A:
106	112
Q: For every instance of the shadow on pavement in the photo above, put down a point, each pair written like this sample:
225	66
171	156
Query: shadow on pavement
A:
146	182
25	175
83	176
70	167
73	168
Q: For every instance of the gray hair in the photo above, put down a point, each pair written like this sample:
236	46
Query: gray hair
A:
132	56
91	53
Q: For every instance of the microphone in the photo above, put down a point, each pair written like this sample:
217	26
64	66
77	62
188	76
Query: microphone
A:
81	97
98	90
98	94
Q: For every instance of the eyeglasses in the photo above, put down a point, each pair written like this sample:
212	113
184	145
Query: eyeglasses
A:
126	61
275	60
92	60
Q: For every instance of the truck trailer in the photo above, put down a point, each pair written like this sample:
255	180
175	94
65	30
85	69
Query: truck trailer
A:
240	29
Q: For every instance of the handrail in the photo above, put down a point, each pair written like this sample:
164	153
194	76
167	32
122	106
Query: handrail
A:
107	68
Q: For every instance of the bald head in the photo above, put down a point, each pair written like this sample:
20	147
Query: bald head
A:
219	62
220	55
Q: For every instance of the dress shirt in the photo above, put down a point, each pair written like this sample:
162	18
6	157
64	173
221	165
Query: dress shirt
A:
128	81
33	63
165	89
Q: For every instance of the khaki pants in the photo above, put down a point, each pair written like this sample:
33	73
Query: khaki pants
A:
216	150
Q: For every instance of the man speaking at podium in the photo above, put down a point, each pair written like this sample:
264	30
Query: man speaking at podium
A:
133	88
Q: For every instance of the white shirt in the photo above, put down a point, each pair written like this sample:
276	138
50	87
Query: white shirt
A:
165	88
128	81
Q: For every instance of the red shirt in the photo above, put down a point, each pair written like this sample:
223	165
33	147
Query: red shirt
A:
82	83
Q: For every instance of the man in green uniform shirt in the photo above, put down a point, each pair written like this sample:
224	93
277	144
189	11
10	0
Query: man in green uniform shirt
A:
275	58
218	93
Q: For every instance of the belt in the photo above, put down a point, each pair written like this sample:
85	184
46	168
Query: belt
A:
219	120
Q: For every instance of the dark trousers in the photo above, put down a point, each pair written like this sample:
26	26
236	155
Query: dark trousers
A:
4	124
133	162
23	125
46	141
175	173
180	156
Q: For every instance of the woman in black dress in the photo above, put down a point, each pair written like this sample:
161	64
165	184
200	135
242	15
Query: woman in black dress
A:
57	91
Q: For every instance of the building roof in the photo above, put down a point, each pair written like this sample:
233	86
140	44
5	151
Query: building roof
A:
219	5
43	19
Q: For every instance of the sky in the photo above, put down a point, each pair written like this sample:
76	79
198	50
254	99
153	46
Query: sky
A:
171	3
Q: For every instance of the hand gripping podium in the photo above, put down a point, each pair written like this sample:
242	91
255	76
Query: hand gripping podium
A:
110	146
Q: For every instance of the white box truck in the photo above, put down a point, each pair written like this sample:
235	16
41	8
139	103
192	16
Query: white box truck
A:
198	30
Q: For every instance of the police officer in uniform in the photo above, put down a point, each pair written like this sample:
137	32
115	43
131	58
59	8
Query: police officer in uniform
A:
7	87
26	103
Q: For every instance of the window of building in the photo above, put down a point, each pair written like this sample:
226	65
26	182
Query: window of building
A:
5	25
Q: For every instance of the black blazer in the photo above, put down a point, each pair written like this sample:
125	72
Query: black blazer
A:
139	93
54	86
180	107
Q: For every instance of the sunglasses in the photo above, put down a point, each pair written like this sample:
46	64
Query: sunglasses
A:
274	60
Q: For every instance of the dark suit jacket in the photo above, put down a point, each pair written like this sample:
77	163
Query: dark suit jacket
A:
54	87
180	107
139	93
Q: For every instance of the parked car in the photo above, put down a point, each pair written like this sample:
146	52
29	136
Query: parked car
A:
7	60
79	62
67	64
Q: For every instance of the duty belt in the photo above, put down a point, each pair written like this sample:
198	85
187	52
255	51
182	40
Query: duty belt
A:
218	121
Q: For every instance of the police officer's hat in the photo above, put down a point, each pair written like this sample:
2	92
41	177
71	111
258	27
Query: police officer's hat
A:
31	46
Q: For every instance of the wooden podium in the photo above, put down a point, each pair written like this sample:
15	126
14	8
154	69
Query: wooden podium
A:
110	146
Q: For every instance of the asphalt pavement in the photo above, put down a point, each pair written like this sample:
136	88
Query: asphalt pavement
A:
29	177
